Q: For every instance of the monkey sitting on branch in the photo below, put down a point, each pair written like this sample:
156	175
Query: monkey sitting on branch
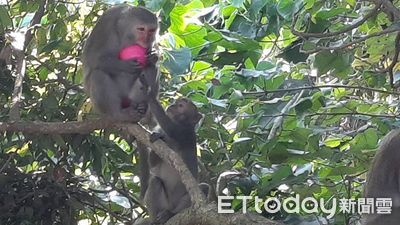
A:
164	193
118	63
383	180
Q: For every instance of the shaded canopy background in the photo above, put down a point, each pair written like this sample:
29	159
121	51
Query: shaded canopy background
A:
296	96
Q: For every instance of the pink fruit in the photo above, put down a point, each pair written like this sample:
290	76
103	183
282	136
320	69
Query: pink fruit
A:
135	52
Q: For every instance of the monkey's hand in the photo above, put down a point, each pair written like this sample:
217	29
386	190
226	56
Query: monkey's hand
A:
132	67
141	107
156	136
152	58
130	115
151	91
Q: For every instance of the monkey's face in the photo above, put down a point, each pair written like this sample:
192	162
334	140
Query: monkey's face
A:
145	34
184	111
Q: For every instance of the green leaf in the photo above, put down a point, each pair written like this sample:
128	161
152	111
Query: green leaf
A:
155	5
255	73
327	14
265	65
333	142
178	61
62	9
303	106
326	61
4	18
217	102
237	3
366	140
50	103
50	46
194	37
176	17
286	8
275	180
255	7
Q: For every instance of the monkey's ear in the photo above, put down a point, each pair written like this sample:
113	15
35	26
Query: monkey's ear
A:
197	117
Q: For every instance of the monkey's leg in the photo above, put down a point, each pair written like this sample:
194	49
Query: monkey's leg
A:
156	136
106	97
104	93
163	217
180	203
141	221
144	168
156	199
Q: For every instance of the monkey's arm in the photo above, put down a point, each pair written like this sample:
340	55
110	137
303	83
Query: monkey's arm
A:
165	122
111	64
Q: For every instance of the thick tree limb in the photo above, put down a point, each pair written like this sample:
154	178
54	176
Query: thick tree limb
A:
208	215
389	9
199	213
75	127
159	147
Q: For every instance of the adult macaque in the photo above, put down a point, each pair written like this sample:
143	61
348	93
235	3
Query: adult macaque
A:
166	195
383	180
112	83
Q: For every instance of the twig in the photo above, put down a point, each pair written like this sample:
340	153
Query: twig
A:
389	9
279	120
336	33
395	59
20	69
330	114
6	163
359	40
319	87
17	92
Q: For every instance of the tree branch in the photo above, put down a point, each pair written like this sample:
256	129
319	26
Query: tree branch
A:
389	9
278	121
257	93
305	35
141	135
395	59
200	213
208	215
76	127
351	43
21	63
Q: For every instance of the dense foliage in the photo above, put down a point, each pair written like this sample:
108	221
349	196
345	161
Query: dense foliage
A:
296	96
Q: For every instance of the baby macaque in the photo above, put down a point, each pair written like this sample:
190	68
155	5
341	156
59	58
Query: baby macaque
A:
166	195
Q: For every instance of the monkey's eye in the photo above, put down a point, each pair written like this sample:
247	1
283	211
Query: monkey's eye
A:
152	30
140	28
